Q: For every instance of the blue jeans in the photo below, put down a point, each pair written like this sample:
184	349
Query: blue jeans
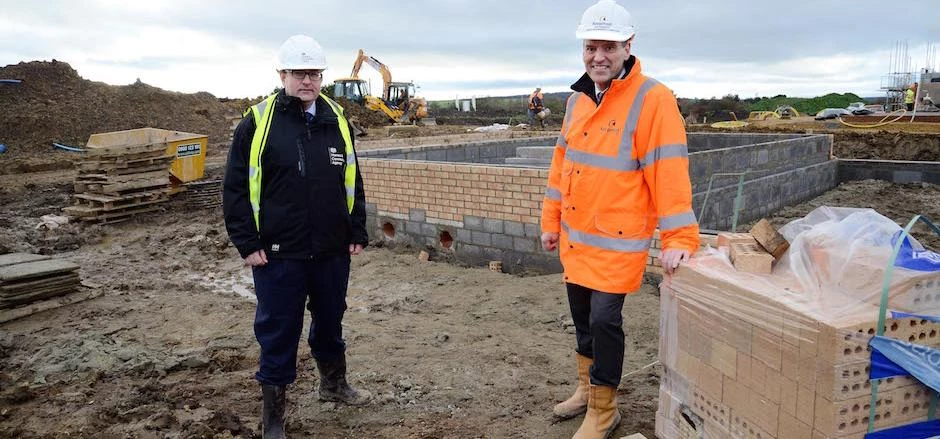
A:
598	325
283	287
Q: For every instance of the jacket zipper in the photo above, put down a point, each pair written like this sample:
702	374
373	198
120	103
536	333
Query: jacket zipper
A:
302	160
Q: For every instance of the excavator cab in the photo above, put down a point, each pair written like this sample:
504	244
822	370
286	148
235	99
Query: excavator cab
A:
355	90
399	94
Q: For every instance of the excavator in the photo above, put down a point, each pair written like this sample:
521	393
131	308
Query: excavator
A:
399	101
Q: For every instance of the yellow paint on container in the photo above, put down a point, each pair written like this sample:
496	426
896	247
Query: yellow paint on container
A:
188	148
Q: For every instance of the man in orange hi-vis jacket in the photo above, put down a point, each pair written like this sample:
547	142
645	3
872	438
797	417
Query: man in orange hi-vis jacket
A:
620	169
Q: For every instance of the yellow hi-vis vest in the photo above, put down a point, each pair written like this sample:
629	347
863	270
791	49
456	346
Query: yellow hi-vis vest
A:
263	117
909	96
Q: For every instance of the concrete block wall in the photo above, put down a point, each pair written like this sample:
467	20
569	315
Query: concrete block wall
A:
790	170
489	152
708	141
892	171
491	211
764	195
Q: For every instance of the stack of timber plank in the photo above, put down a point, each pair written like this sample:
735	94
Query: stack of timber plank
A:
761	356
27	278
118	182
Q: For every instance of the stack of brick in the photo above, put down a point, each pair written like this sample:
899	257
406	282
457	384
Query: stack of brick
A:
760	357
117	182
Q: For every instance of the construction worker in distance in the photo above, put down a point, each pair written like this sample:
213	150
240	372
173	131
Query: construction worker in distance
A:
295	209
909	97
620	169
536	105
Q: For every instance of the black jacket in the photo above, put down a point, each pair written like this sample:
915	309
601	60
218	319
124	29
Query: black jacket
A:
303	197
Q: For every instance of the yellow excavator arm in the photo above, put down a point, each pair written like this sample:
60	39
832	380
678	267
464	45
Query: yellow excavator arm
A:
377	65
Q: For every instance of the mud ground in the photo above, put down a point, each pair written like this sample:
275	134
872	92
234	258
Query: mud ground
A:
168	350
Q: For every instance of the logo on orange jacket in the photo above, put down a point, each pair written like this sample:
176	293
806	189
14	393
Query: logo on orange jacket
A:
611	127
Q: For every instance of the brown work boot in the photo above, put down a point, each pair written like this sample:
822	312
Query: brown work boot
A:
602	417
578	402
333	385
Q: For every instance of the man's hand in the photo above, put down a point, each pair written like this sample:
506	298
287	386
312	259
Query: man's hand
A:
549	241
671	258
355	249
256	259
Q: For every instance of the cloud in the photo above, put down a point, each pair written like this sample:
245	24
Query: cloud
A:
466	47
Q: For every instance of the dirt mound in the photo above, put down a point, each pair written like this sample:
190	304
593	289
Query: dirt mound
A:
54	104
887	146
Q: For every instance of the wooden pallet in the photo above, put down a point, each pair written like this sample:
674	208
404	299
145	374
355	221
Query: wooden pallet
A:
125	150
96	165
110	202
34	269
111	217
38	294
123	171
7	315
18	258
105	178
94	212
57	280
119	189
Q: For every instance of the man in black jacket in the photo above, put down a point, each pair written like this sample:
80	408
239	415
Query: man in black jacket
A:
295	210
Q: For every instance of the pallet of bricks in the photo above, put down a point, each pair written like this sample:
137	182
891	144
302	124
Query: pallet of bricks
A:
756	353
30	283
117	182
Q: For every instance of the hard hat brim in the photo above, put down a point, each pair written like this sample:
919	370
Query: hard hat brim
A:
603	35
280	67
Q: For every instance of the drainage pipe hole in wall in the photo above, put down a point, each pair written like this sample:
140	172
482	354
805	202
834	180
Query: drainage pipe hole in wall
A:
446	240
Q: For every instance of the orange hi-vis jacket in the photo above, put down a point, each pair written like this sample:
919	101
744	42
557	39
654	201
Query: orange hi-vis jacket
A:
619	169
532	97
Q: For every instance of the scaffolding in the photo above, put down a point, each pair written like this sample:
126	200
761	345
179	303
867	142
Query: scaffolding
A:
899	77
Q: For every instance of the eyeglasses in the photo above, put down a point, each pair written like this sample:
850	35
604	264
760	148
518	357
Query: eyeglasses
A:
315	75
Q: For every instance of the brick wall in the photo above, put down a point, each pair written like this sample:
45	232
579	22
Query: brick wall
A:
489	212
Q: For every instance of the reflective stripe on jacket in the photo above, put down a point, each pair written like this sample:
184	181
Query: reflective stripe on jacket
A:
619	170
909	96
263	114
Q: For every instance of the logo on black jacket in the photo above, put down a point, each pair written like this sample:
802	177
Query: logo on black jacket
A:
336	158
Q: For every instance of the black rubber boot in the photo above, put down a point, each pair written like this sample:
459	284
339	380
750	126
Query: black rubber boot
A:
272	416
333	385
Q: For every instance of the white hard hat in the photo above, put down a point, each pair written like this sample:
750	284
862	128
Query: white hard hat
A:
606	21
300	52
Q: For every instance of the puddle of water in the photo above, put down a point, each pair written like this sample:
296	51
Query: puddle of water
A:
227	283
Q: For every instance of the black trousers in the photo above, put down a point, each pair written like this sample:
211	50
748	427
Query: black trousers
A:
598	325
283	288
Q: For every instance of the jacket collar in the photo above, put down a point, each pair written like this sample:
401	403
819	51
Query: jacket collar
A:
293	105
586	85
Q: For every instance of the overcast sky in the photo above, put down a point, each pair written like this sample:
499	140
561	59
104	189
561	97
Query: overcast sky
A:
475	47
